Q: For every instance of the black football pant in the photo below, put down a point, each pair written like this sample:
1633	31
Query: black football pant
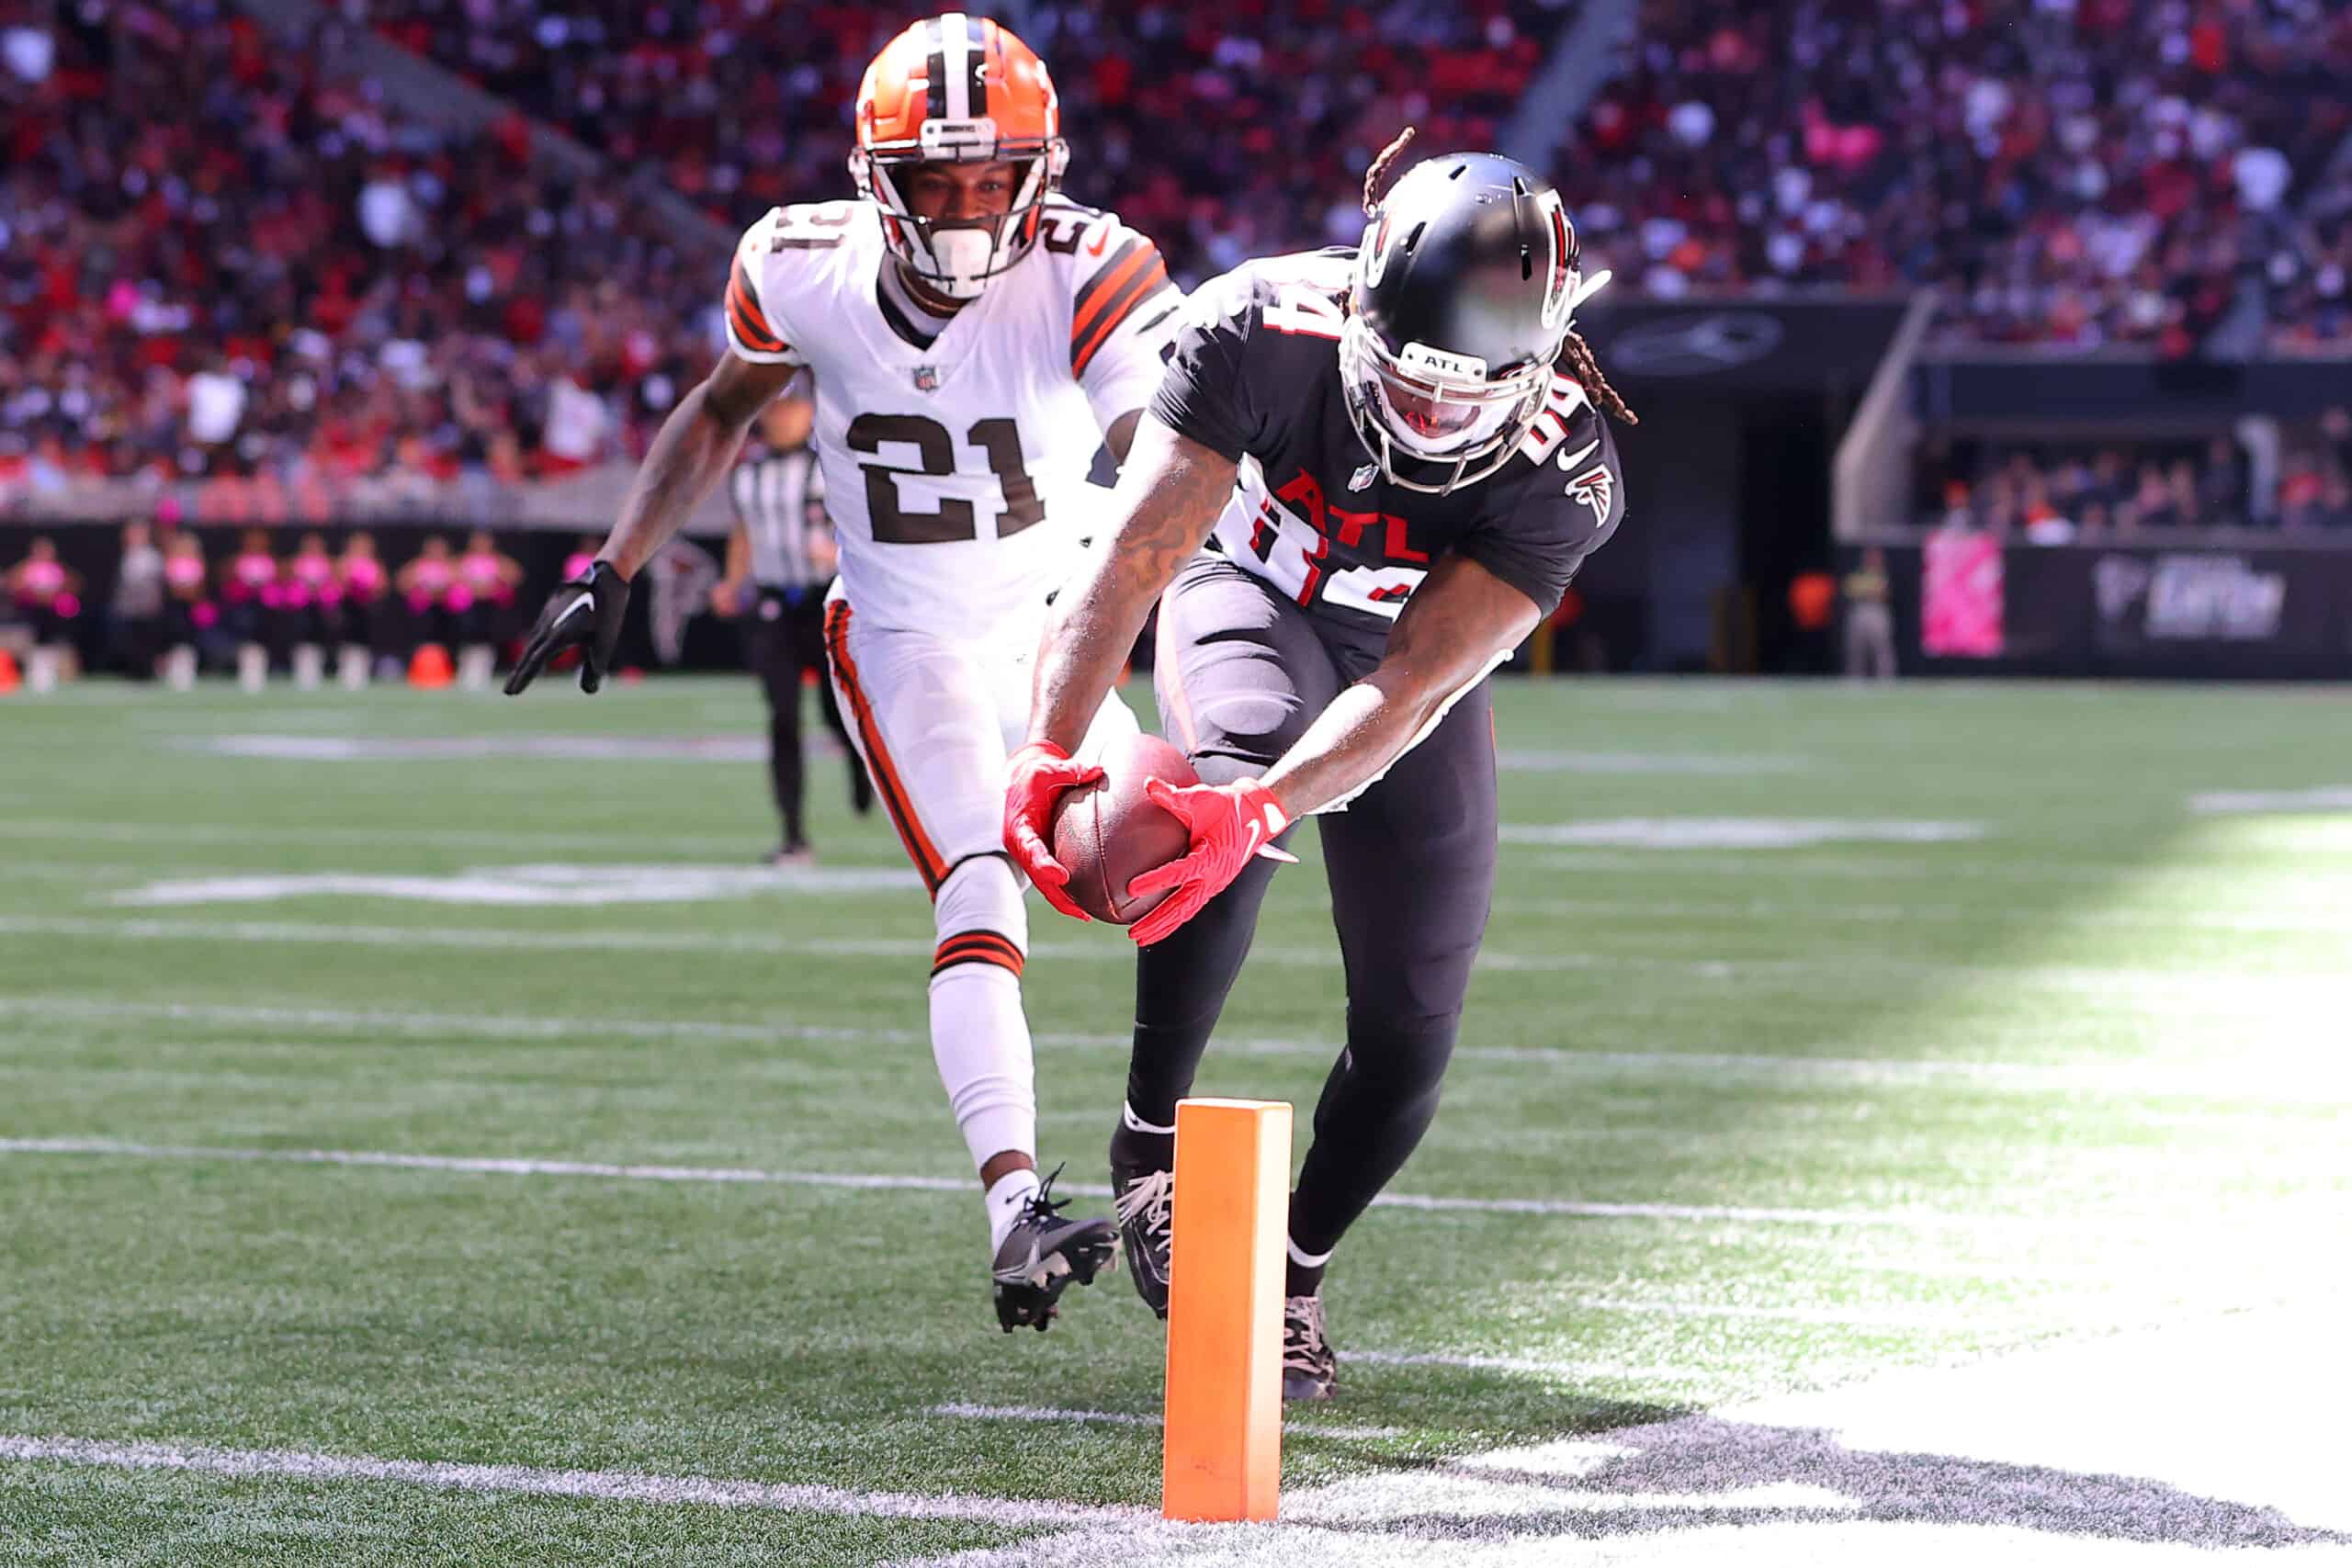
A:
783	635
1241	672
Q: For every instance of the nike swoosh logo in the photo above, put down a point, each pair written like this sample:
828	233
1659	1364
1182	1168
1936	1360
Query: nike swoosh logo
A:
1257	833
1570	459
1102	238
585	601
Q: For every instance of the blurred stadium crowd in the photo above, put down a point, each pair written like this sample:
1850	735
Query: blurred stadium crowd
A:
2055	492
226	253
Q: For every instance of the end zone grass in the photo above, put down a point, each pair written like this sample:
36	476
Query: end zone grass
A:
1728	1121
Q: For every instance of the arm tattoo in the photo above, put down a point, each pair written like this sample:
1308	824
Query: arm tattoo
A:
1169	498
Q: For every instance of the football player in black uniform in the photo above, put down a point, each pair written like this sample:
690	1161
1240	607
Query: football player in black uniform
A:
1394	460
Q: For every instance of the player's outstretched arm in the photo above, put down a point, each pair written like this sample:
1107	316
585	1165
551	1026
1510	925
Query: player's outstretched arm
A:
1460	622
694	449
1169	496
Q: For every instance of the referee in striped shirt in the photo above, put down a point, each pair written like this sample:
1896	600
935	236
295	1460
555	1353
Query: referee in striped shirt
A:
779	563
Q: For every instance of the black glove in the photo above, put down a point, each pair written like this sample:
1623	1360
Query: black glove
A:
585	614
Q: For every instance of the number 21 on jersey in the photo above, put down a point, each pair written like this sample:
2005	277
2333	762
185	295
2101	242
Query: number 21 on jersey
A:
889	506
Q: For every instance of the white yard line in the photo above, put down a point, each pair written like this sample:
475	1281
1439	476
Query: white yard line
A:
2219	986
1529	1366
503	1164
2321	919
2295	1083
1048	1415
457	1025
487	1165
67	830
2242	802
602	1485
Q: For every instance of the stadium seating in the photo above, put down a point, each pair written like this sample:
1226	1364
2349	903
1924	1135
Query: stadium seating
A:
279	275
2079	173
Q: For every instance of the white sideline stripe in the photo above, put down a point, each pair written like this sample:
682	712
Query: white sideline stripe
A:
177	833
2233	802
602	1485
401	1021
2221	986
1125	1418
502	1166
1530	1365
484	1165
2322	920
2302	1085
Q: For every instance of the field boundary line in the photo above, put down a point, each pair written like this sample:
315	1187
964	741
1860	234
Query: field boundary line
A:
1048	1415
601	1485
2221	986
2128	1080
475	1164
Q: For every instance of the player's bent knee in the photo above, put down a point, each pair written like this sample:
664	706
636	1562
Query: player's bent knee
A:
980	917
1405	1054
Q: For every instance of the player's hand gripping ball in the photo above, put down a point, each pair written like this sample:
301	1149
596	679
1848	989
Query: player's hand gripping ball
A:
1224	825
1083	832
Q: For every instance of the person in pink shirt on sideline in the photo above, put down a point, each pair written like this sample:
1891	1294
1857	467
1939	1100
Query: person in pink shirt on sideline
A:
365	587
481	605
47	595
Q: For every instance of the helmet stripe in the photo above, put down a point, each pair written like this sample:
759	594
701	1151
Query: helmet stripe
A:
955	59
934	72
976	28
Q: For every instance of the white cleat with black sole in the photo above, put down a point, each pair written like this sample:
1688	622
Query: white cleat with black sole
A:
1040	1257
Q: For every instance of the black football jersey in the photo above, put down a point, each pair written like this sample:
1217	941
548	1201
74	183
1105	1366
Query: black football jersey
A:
1255	375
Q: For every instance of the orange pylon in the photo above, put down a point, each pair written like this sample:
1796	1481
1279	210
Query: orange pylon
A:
431	669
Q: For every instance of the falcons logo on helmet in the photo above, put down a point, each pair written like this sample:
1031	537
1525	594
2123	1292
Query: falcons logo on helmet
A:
1595	487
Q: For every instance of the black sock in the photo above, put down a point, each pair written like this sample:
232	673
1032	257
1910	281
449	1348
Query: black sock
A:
1304	1279
1146	1150
1181	986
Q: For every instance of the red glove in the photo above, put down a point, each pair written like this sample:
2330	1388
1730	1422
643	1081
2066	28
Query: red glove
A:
1037	775
1229	823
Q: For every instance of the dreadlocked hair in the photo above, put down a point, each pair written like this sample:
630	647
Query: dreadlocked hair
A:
1587	369
1375	177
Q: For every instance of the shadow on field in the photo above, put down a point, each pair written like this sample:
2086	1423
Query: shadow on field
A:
1700	1471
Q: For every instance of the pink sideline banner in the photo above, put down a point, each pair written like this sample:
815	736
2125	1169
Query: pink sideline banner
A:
1960	597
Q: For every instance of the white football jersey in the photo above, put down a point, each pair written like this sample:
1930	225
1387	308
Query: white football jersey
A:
956	473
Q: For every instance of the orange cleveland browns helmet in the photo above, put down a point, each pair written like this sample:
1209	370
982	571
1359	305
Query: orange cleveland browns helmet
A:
958	89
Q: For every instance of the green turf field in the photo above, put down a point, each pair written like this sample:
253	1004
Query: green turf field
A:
1821	1033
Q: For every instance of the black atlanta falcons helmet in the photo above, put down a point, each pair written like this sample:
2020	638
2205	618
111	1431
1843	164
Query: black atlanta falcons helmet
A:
1467	281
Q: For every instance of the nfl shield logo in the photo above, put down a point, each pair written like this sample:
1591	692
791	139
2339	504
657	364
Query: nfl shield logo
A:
926	377
1362	478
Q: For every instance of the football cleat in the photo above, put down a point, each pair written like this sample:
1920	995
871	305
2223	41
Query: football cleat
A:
1311	1370
1042	1253
1143	1197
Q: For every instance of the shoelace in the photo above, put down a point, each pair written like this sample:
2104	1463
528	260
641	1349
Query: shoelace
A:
1043	1207
1305	1351
1153	1197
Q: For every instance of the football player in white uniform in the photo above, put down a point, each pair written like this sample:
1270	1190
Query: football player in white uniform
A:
976	337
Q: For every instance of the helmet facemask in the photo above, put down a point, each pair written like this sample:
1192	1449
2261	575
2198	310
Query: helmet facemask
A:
1425	408
959	257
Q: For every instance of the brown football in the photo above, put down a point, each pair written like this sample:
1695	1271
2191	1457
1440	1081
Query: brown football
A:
1110	831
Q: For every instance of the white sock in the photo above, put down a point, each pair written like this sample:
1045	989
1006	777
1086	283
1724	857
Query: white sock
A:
979	1038
1004	1202
1135	1123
